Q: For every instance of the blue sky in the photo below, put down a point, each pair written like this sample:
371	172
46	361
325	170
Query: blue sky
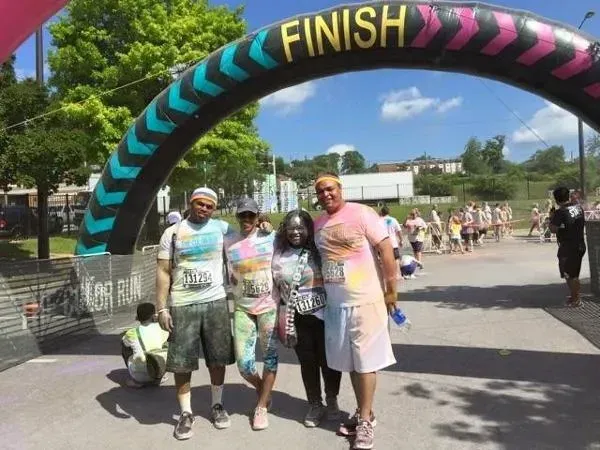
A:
365	110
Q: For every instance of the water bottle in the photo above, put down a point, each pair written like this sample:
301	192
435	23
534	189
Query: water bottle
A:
401	320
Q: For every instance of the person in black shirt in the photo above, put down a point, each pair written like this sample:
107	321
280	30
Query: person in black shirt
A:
568	222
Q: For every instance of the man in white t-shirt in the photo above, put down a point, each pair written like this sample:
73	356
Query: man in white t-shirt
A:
190	275
394	230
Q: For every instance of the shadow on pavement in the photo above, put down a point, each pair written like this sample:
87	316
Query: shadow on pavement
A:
531	400
155	405
493	297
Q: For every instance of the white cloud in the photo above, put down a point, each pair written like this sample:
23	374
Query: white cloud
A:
340	149
506	151
449	104
551	123
407	103
290	99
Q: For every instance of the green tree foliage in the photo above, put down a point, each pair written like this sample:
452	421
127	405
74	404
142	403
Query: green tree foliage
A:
493	188
549	161
353	162
101	45
472	158
492	154
7	79
433	185
41	153
329	162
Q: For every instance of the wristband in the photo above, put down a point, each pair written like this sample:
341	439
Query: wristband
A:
162	310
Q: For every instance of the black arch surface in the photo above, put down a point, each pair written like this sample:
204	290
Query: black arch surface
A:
551	59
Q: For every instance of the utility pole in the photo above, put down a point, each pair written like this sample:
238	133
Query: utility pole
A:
587	16
204	173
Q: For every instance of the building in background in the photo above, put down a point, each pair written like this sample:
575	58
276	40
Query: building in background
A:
265	194
288	196
443	165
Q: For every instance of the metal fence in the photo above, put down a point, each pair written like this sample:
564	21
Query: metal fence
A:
46	304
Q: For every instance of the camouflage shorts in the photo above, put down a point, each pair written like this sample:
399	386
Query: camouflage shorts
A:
205	325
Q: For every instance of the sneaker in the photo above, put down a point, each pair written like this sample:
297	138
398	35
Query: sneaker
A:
315	414
260	421
332	409
183	429
219	417
349	428
364	436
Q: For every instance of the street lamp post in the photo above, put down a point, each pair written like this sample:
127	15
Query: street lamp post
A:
588	15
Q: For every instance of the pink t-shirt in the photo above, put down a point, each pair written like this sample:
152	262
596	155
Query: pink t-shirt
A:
346	240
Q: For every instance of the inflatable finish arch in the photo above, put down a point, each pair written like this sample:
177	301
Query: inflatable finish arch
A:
519	48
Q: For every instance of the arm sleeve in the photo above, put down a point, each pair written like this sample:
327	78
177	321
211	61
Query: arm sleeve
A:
165	246
557	218
130	340
373	227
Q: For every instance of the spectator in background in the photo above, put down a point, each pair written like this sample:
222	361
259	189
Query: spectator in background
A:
173	217
497	222
416	227
509	218
568	222
535	219
394	230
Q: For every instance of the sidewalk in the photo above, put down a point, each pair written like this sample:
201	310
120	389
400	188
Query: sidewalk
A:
484	367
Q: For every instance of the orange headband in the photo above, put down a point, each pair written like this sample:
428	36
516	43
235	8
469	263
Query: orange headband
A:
203	197
328	178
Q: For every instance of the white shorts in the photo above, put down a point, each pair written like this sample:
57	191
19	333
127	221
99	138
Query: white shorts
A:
357	338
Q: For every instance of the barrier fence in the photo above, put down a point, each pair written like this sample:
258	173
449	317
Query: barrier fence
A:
46	304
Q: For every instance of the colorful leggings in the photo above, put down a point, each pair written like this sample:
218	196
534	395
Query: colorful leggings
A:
249	327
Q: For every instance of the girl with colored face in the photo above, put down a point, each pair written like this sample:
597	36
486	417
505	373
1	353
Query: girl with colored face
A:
299	290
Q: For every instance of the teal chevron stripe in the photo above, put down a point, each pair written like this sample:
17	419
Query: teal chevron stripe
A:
97	226
153	123
258	54
178	103
135	147
120	172
108	198
229	68
201	84
82	250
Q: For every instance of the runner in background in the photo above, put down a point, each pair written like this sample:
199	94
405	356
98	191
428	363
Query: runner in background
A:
455	230
467	229
535	219
497	222
302	326
504	220
435	227
479	225
509	217
416	227
394	231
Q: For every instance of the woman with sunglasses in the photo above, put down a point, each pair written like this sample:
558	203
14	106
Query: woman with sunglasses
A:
255	311
298	288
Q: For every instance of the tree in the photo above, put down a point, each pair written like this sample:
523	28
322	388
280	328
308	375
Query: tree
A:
353	162
329	162
548	161
433	185
101	45
472	159
7	79
281	166
492	154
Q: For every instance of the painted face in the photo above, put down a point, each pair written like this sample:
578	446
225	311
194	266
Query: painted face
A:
329	194
296	232
248	221
201	210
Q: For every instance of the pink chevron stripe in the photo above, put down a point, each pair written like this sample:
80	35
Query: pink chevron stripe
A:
580	63
468	28
431	28
508	33
544	46
593	90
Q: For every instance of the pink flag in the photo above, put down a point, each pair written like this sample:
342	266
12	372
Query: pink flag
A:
20	18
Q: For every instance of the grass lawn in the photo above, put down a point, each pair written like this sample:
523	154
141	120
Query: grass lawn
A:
27	248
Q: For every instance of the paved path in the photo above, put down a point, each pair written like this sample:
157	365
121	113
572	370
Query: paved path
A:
484	367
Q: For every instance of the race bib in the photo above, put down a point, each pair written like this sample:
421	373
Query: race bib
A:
194	278
310	301
256	288
334	272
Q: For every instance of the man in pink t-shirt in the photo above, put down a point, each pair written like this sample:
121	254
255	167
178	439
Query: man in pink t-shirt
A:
359	273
